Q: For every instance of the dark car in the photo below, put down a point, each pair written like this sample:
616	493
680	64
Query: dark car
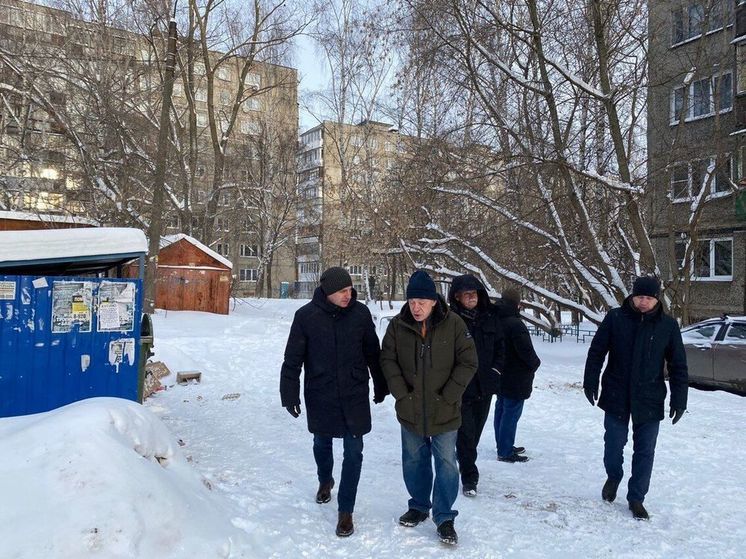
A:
716	353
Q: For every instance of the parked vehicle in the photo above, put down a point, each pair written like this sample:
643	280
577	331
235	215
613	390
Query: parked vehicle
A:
716	353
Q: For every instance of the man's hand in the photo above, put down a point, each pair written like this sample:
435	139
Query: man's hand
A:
591	394
293	410
676	414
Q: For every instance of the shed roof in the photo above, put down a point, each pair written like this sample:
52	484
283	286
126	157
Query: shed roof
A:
171	239
67	251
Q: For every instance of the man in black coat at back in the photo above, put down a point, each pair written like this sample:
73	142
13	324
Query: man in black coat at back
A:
639	339
517	379
334	339
468	298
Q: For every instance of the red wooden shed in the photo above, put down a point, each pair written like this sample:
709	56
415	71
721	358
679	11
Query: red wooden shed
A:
191	276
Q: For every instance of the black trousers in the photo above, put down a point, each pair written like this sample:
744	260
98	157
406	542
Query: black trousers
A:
474	414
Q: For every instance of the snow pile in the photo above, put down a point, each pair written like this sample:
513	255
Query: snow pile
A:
105	478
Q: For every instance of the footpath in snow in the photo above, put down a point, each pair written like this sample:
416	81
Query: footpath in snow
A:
256	454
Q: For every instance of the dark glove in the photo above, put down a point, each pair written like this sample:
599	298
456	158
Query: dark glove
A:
591	394
378	398
293	410
676	414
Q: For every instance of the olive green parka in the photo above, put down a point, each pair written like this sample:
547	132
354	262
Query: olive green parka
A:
427	376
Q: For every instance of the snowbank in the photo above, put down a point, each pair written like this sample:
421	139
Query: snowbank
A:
105	478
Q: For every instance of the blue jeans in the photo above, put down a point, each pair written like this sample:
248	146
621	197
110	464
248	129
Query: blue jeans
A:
417	464
352	463
507	414
644	437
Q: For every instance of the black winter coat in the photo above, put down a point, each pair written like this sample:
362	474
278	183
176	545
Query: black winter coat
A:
521	361
336	347
484	326
638	346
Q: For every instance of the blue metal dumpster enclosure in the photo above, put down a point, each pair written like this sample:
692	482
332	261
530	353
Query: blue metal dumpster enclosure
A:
68	330
65	339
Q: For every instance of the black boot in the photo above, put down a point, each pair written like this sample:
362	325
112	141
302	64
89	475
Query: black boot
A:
324	494
638	511
412	518
608	493
513	458
447	533
344	525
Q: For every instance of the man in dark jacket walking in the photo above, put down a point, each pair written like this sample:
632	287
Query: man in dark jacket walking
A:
428	358
639	339
517	379
468	298
334	339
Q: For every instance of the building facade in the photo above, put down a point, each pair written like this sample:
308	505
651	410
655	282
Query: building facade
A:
697	154
78	127
345	172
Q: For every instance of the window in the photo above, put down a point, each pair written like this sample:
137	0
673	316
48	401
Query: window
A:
741	67
201	120
736	332
723	91
251	104
199	69
200	94
224	73
703	333
687	179
696	15
680	181
701	97
223	249
309	267
355	270
225	97
706	96
723	176
248	274
713	259
252	81
250	127
248	250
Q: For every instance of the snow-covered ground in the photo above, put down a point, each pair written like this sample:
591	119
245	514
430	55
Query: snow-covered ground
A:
73	486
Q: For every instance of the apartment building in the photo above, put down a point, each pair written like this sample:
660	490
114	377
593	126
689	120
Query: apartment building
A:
344	173
697	154
79	106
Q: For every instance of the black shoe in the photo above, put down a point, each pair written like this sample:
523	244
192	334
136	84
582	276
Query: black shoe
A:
469	489
608	493
638	511
519	449
513	458
412	518
447	533
344	525
324	494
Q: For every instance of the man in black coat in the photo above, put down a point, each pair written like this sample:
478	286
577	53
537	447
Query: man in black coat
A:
517	379
639	339
334	339
468	298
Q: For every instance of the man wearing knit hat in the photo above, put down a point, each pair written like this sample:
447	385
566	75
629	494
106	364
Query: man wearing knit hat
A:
639	339
428	358
334	340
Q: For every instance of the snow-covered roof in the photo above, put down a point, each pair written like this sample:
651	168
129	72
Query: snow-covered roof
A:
167	240
51	248
46	218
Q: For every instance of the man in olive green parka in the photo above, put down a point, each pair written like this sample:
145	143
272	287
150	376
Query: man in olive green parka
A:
428	358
